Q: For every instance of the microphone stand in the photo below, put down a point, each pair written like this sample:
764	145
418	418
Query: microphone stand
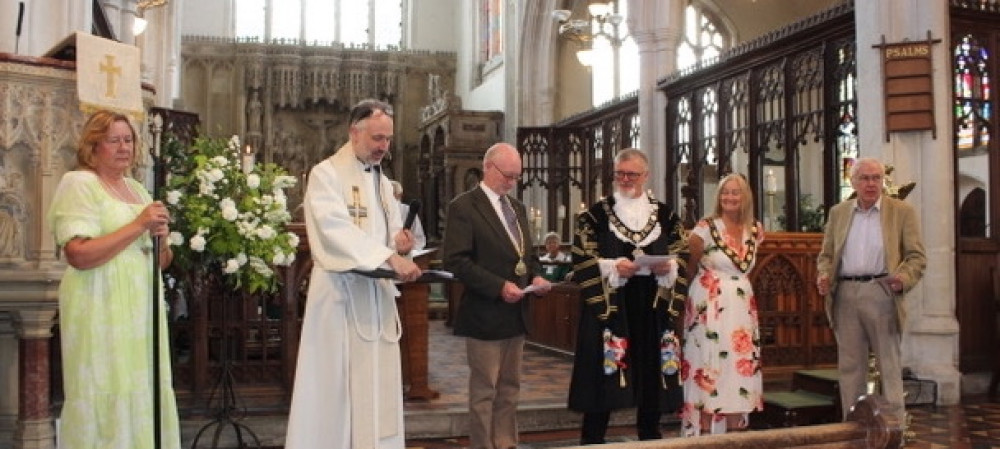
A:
20	21
158	181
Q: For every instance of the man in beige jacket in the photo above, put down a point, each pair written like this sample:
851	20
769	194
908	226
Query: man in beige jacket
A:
871	257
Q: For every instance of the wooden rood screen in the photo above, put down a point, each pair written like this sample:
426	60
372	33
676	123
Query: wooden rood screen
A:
779	110
782	107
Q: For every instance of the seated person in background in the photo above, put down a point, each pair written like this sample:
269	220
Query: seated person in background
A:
555	263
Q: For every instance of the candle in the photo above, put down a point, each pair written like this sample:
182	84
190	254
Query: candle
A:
771	182
247	160
561	213
583	207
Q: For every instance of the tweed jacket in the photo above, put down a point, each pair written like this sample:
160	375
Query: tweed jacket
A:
904	250
478	250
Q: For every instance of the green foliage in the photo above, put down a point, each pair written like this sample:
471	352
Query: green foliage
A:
225	218
811	218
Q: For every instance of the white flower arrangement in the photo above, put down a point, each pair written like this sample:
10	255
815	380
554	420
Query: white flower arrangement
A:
226	218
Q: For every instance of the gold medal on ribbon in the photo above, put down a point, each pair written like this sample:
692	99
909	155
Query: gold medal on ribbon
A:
520	269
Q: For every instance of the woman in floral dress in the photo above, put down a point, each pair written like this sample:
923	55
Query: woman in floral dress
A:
105	221
721	358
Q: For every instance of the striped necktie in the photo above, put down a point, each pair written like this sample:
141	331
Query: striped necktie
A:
511	219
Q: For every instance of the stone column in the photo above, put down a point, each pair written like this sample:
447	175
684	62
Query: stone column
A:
930	344
8	377
657	26
539	62
35	424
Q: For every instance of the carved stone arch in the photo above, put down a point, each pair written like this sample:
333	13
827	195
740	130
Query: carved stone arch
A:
66	133
972	214
538	58
13	223
424	155
196	63
775	281
778	291
439	140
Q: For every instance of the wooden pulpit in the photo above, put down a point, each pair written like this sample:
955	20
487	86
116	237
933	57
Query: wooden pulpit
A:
413	312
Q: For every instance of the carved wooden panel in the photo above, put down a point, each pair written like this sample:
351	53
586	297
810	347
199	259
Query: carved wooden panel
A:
794	327
793	324
555	317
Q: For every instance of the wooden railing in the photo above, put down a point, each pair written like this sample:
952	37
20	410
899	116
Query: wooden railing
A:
867	427
793	324
783	104
571	162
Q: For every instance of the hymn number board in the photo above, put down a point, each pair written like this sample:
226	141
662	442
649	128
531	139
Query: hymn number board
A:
908	86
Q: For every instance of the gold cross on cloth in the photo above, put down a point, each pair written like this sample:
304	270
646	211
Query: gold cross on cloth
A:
109	67
356	209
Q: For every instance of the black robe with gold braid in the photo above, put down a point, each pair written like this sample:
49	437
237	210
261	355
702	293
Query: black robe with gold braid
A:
639	311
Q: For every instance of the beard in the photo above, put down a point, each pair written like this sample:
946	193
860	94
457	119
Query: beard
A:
634	191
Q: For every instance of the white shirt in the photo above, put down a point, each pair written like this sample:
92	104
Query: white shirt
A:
634	213
864	253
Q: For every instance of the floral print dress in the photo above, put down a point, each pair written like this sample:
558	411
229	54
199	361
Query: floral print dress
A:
721	357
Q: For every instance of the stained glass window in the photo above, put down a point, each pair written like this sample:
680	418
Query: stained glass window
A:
972	117
491	29
972	96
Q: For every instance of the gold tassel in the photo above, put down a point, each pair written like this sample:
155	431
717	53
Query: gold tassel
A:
661	292
621	378
663	381
670	308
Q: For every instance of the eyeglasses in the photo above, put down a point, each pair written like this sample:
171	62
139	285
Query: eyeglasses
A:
117	140
508	176
368	108
629	175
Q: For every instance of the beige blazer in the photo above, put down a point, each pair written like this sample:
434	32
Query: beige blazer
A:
904	251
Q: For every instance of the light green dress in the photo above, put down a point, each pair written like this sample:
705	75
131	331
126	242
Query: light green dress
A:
106	327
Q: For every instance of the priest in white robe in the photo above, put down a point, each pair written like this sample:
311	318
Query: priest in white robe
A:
348	382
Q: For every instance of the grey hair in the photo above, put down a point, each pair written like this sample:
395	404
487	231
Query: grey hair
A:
866	161
628	154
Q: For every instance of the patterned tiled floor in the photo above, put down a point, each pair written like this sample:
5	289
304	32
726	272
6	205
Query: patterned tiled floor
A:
545	377
975	424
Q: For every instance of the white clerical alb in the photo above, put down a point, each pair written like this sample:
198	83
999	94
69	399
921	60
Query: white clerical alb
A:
348	380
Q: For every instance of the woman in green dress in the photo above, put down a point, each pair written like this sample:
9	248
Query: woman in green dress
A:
105	221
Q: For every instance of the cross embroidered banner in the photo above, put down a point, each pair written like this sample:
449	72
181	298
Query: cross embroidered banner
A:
108	75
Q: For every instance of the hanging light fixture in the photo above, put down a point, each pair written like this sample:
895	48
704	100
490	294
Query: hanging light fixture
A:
139	24
602	21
